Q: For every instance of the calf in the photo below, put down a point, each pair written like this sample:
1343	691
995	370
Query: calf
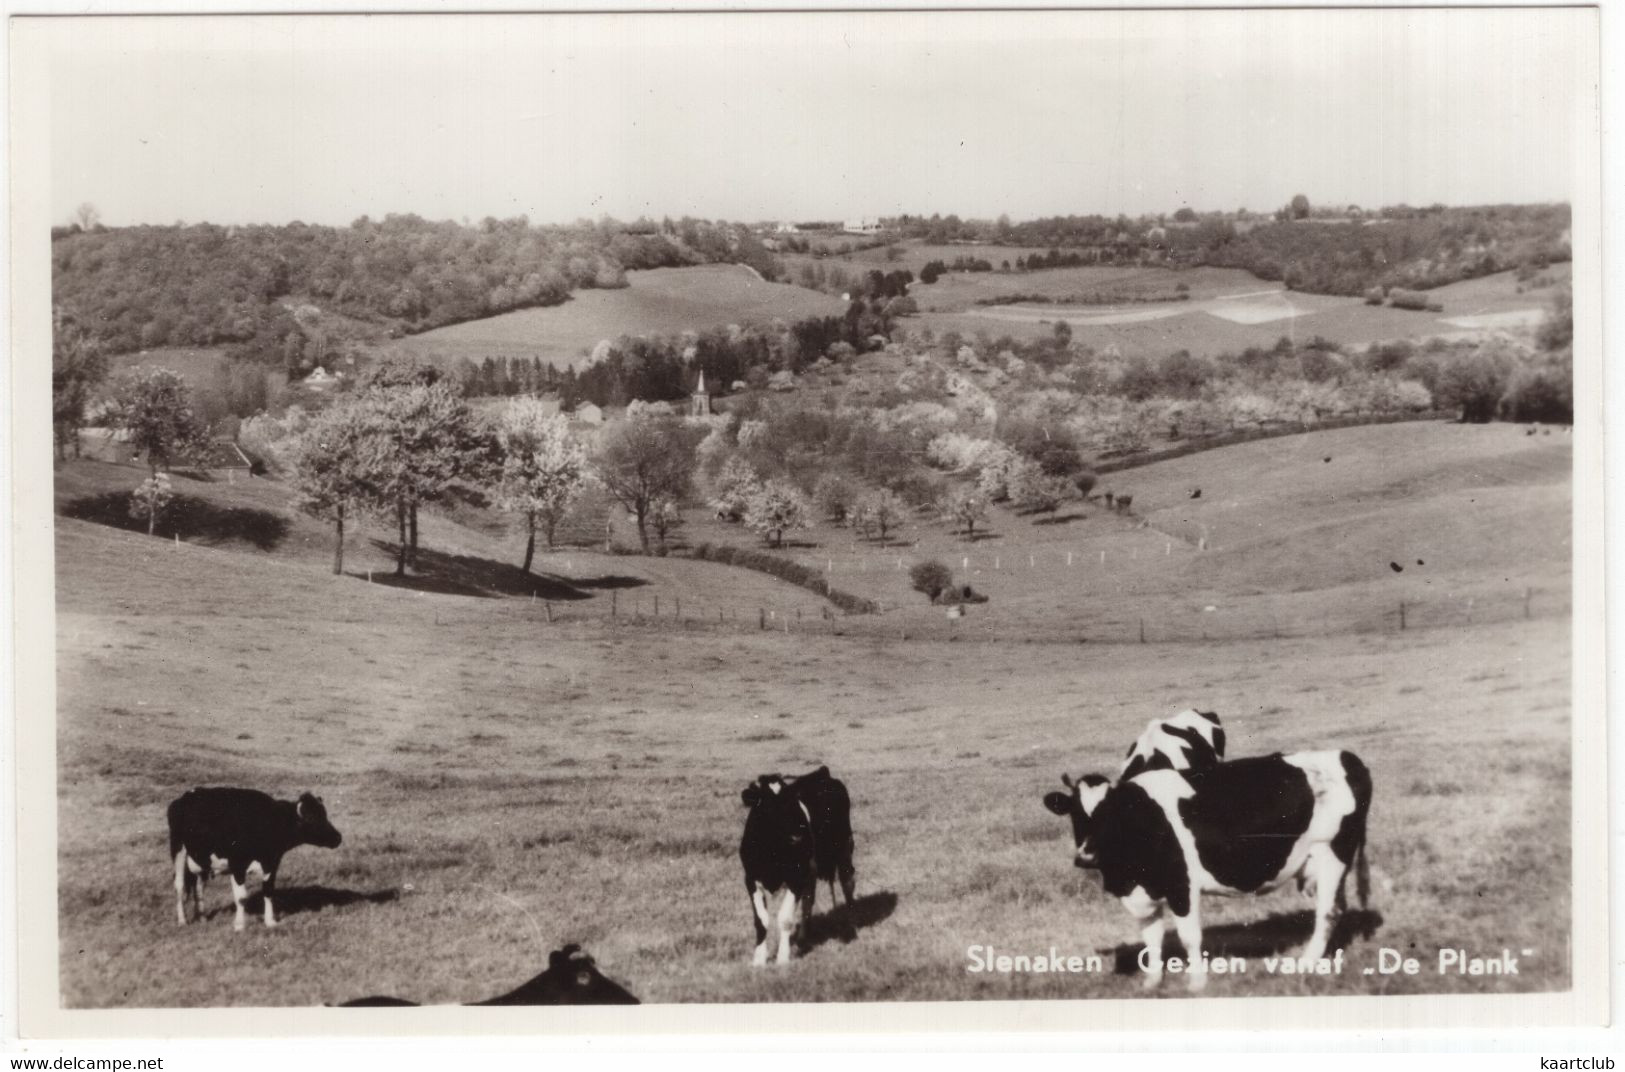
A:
571	978
239	831
1191	740
1164	838
798	831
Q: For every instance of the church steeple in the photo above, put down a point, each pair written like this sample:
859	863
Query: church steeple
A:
700	404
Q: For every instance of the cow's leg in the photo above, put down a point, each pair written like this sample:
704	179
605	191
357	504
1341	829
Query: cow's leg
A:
759	917
789	910
183	886
239	897
1189	927
848	875
1149	915
1328	871
267	888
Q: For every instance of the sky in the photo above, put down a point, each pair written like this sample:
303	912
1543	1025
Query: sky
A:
831	116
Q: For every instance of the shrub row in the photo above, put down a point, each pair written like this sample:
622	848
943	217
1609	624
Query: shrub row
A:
1230	439
785	570
1093	298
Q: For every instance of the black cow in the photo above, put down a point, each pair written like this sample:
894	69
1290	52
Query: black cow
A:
1166	837
798	831
240	831
1190	740
571	978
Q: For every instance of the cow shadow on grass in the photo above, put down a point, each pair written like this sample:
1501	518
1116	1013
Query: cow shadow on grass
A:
1280	934
192	519
843	922
297	900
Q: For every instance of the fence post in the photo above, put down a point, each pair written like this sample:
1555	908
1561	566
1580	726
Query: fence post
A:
1142	630
614	598
1402	616
548	607
761	618
657	606
679	612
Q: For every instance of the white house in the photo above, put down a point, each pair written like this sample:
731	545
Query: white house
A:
862	225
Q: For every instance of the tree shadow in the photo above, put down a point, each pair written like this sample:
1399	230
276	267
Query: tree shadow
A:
978	537
843	922
192	519
467	575
1060	519
1283	932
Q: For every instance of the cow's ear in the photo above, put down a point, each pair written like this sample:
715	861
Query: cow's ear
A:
751	795
1058	802
1066	780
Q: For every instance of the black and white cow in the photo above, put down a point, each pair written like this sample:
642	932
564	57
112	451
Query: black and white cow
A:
239	831
798	831
1164	838
1190	740
571	978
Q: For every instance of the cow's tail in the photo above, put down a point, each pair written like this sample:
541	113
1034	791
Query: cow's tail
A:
1359	781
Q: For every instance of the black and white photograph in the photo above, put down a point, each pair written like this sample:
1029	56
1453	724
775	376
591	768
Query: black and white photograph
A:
1074	508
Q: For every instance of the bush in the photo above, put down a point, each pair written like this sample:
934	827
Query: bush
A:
836	497
1407	299
1543	392
930	577
1085	482
1374	296
785	570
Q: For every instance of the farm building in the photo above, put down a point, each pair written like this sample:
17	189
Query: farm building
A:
321	380
862	225
222	460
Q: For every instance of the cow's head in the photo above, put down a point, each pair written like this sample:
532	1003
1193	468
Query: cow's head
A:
1079	804
776	809
571	978
313	824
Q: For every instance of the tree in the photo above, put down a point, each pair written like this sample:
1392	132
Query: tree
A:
77	366
333	462
665	517
1185	214
543	472
882	510
836	497
153	407
642	462
427	440
774	509
930	577
1300	207
736	483
966	507
86	216
1557	331
1475	381
151	498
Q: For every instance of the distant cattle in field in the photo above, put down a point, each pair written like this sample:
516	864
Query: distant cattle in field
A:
1190	740
1162	839
571	978
240	831
798	832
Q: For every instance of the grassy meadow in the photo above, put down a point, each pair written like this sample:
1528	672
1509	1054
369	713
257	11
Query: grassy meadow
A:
507	784
660	301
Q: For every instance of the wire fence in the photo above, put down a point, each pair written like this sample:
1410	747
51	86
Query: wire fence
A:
1121	621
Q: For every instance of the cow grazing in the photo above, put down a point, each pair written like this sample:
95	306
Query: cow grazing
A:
240	831
571	978
1190	740
1164	838
798	831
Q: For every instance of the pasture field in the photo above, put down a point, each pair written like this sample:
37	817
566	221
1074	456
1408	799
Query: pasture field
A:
660	301
195	365
507	784
1281	541
1229	310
